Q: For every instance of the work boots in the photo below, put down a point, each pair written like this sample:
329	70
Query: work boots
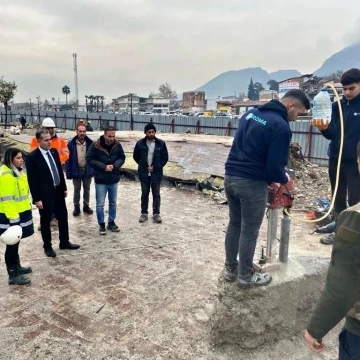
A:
15	278
23	270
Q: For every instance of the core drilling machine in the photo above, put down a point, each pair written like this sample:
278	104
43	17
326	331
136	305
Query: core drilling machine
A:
279	197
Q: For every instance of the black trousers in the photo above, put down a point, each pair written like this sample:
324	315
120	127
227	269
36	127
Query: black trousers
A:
349	184
12	255
146	185
58	208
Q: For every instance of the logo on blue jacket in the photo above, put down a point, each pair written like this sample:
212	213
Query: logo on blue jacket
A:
258	119
356	114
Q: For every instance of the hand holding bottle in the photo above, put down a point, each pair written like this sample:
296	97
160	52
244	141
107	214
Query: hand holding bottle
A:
321	124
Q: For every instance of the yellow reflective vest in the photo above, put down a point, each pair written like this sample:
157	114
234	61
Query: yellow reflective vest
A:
15	201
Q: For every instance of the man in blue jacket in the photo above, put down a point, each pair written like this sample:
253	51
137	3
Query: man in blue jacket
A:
79	170
349	181
151	154
258	157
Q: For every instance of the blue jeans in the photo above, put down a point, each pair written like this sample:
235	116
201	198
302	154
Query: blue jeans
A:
101	191
349	346
247	203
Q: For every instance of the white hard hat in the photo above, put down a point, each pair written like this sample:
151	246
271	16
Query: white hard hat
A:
48	122
12	235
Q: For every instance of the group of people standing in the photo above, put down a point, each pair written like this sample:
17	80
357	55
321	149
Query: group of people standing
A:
44	180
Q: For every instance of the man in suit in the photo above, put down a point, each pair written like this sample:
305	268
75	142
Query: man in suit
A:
48	189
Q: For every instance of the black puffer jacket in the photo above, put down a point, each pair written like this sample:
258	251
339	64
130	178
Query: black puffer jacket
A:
99	156
160	159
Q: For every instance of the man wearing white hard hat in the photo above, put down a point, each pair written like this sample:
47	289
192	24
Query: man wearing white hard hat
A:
57	143
15	213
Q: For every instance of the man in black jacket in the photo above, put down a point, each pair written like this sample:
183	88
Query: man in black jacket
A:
349	181
106	156
151	155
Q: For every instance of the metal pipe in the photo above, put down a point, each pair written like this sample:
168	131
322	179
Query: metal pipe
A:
284	238
271	235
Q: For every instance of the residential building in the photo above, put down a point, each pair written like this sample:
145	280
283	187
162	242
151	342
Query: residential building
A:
292	83
157	105
194	101
241	107
312	87
126	102
267	95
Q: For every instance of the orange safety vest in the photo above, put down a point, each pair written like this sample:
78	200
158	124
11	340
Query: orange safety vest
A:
57	143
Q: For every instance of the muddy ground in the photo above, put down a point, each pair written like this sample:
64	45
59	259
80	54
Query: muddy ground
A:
145	293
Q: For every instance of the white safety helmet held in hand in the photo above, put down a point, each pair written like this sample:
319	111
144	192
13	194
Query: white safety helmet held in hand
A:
48	122
12	235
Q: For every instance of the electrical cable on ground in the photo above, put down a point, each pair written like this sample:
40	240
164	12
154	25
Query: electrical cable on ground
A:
286	211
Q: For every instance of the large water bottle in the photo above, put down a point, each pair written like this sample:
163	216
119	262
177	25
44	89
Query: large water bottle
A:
322	106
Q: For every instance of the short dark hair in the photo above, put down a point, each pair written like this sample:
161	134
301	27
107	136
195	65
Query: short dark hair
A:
300	96
358	149
109	128
9	156
350	77
41	132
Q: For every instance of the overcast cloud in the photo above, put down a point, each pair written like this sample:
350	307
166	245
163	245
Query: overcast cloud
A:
135	45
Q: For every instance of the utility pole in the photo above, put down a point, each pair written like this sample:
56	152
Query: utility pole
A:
30	104
131	116
38	99
76	82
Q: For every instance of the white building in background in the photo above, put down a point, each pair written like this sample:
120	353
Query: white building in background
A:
157	105
125	102
292	83
268	95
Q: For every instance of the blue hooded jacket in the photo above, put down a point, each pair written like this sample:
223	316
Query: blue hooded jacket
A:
351	114
261	144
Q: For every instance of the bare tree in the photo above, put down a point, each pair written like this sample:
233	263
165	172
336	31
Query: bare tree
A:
166	92
7	93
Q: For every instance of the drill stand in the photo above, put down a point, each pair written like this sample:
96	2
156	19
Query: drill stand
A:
279	197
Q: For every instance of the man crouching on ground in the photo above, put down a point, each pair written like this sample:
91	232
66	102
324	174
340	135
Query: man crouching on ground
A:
258	157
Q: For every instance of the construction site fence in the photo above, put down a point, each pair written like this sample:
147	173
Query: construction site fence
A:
314	145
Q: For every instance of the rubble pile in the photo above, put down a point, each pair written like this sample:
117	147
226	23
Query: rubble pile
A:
311	180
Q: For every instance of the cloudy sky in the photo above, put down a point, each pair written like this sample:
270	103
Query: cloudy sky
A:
135	45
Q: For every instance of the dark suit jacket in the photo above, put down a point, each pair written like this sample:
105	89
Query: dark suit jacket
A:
40	179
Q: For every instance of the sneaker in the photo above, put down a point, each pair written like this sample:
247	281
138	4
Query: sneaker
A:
76	211
157	219
230	274
328	239
113	227
102	229
143	218
257	279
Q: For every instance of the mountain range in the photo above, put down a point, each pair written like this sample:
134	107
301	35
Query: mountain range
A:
234	81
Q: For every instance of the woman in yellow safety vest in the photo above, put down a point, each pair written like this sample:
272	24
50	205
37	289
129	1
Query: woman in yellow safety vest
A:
15	209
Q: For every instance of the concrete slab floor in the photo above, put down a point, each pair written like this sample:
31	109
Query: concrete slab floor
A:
145	293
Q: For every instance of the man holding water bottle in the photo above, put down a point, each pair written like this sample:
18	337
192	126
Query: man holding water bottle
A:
349	179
